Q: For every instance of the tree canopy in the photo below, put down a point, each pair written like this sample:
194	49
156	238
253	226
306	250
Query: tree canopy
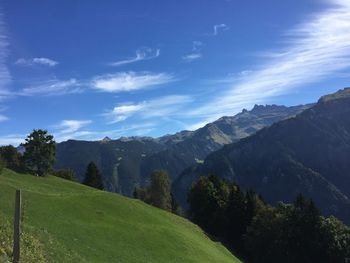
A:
158	193
39	154
160	190
261	233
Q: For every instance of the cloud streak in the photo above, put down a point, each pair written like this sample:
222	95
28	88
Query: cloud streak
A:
53	87
218	28
196	52
314	50
130	81
71	129
5	76
166	106
36	61
141	54
70	126
191	57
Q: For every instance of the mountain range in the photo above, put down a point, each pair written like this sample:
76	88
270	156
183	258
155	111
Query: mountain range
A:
127	162
308	154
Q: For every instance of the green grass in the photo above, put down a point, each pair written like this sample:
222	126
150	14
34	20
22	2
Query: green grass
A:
75	223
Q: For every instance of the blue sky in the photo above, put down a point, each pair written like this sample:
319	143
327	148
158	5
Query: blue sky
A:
89	69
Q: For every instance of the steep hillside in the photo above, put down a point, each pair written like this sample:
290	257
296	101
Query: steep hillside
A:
118	160
75	223
193	147
307	154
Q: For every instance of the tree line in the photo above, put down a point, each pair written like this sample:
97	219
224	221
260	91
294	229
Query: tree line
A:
258	232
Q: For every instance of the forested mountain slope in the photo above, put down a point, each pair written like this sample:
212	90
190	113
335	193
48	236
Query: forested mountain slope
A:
308	154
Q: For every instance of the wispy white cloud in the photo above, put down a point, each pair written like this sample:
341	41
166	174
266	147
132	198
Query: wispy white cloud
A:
196	52
53	87
36	61
12	139
71	129
130	81
122	112
219	27
191	57
314	50
69	126
134	129
5	76
159	107
141	54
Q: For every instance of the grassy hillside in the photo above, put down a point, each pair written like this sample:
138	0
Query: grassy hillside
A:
73	223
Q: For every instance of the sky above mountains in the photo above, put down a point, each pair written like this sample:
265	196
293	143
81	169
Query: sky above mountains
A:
89	69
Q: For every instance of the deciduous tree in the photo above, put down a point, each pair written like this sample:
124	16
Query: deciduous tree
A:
39	154
160	190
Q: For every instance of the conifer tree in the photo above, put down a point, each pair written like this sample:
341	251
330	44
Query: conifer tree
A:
93	177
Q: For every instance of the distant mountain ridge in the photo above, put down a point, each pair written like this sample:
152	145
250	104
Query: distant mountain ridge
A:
306	154
128	161
193	147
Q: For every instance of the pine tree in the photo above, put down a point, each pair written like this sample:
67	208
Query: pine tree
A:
93	177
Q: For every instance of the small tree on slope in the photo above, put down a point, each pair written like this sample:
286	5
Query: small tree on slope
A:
160	190
93	177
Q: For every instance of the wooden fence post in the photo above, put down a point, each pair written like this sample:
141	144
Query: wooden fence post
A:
17	228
